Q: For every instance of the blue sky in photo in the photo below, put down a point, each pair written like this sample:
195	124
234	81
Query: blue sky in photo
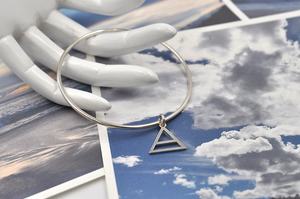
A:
140	181
292	30
257	8
131	180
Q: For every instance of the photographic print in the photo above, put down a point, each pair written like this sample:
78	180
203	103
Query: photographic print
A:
241	127
180	14
42	144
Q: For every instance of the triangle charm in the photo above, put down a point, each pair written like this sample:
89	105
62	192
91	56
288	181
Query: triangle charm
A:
173	141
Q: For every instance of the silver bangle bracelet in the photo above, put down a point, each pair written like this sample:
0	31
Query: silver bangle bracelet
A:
109	124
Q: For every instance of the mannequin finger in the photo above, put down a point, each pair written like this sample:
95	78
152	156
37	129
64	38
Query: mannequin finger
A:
64	30
104	7
39	47
17	60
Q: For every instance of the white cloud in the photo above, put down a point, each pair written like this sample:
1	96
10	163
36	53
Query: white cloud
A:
219	179
129	161
163	171
139	192
225	147
181	180
207	193
219	189
274	169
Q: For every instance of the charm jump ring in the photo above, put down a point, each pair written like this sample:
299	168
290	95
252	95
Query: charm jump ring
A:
162	120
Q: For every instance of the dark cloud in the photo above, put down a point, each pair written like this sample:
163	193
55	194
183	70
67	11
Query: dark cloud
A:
246	77
263	161
281	180
256	112
254	74
250	78
280	184
219	39
266	30
220	103
217	112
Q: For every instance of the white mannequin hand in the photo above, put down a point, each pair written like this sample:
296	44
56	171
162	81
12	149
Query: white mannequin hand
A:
27	25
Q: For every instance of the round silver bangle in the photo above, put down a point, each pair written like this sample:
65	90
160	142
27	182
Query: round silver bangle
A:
109	124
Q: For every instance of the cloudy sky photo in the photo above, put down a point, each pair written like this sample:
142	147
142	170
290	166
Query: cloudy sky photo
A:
258	8
241	126
43	144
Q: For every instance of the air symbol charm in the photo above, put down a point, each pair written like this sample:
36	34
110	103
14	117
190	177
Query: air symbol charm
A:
171	142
